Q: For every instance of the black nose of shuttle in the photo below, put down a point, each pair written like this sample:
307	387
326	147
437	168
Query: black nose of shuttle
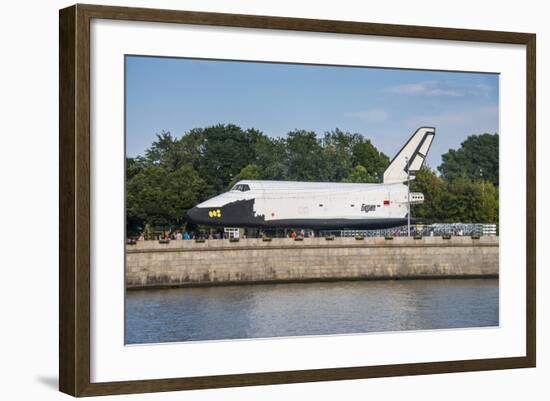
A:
205	216
193	215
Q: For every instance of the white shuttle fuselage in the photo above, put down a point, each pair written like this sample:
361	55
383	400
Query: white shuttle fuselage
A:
321	205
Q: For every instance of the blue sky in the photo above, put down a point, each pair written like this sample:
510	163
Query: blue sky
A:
385	105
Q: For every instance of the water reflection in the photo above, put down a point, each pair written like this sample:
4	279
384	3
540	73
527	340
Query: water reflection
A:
274	310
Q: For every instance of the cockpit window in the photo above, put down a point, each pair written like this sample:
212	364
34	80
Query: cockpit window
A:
241	187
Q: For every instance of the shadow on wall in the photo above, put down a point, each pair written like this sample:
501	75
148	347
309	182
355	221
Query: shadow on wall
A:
49	381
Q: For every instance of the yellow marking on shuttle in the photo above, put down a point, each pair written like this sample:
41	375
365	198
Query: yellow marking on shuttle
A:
215	213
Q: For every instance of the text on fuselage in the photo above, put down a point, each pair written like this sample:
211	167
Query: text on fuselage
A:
368	208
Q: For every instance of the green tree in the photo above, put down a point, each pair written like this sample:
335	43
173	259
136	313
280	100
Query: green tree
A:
476	159
304	156
158	197
358	174
343	150
176	174
433	188
250	172
184	189
226	150
144	199
271	157
488	210
164	151
135	165
469	201
364	153
337	154
191	147
461	200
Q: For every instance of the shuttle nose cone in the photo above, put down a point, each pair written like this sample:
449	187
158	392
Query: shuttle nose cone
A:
205	216
194	215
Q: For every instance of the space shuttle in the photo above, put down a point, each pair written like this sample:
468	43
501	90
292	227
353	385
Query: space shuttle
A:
322	205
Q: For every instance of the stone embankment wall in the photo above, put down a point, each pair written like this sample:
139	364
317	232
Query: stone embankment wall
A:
220	262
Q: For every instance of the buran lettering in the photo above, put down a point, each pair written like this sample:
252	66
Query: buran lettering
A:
368	208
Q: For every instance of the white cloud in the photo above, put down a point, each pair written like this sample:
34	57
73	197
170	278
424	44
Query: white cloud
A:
439	88
452	128
371	116
487	115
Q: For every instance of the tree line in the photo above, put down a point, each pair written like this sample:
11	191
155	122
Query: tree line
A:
174	174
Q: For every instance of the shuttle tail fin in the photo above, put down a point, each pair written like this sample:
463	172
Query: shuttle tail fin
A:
414	152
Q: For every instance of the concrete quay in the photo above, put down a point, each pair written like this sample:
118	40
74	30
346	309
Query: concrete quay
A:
150	264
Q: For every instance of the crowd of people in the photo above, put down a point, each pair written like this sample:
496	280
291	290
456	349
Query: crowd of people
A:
218	234
457	229
432	230
301	233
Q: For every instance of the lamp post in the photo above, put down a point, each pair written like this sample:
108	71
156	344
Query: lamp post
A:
482	181
482	192
408	199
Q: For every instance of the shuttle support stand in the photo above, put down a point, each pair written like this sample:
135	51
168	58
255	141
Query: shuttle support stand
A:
408	198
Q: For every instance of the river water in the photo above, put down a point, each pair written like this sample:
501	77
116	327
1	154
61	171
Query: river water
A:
272	310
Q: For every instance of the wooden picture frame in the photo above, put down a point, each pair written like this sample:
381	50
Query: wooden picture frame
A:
74	203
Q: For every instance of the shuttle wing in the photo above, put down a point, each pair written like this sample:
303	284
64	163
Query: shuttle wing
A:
414	152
